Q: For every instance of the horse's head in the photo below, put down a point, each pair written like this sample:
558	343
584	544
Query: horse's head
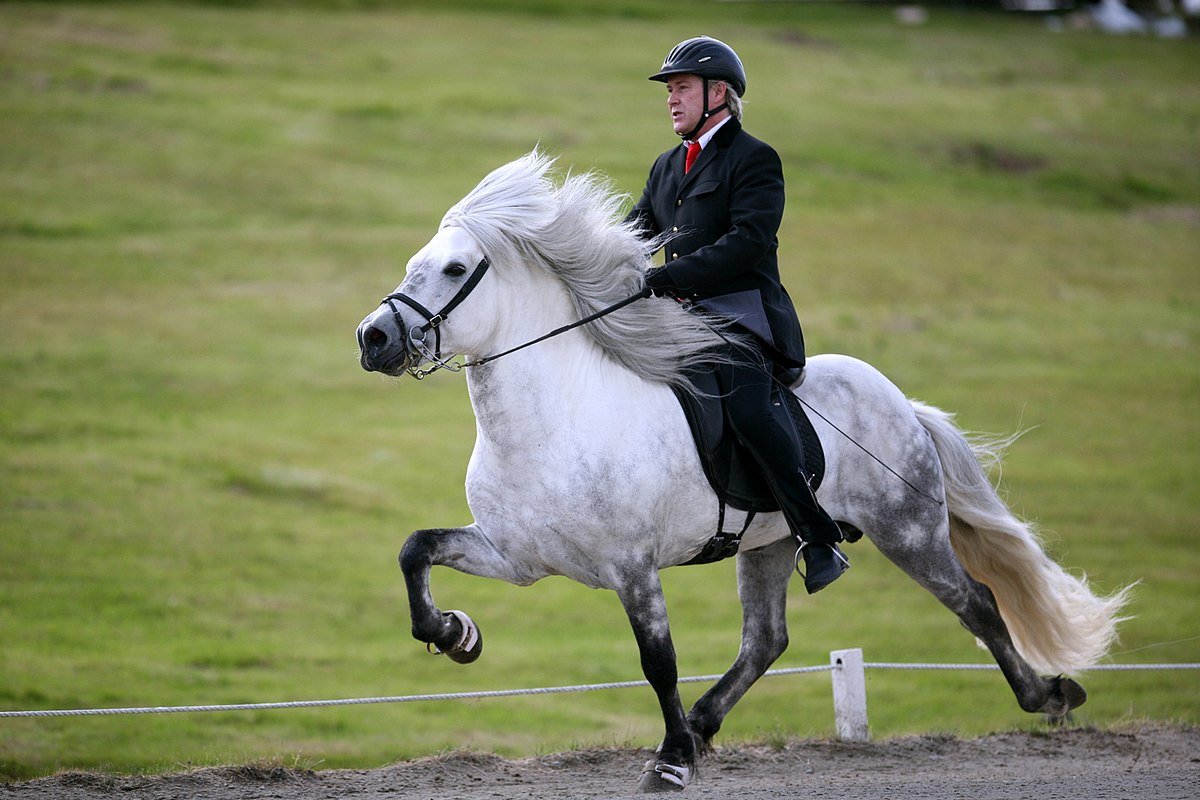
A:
410	326
562	253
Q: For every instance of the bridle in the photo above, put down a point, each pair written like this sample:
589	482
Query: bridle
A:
417	333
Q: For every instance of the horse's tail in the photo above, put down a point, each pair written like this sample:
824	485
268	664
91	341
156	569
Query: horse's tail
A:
1056	622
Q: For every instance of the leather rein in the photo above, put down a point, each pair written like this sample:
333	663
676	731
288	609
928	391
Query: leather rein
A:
417	334
417	338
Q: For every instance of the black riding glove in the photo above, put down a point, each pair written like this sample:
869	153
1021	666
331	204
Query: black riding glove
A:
659	282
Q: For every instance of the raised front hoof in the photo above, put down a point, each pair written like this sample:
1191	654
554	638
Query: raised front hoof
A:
1065	695
469	644
658	776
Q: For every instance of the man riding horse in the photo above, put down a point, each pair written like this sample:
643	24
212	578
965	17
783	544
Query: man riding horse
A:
719	201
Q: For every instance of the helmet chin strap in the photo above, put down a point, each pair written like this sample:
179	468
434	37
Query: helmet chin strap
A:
690	136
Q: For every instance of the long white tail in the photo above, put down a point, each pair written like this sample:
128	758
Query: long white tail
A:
1056	622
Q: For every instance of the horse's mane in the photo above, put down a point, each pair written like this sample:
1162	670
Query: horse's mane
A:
574	229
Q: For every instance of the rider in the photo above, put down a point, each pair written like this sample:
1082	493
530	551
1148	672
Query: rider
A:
720	200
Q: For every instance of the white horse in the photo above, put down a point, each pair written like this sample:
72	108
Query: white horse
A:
584	465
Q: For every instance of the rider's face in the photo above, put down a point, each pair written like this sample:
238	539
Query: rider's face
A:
685	100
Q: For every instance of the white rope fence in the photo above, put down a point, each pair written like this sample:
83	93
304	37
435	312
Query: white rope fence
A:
850	686
363	701
847	667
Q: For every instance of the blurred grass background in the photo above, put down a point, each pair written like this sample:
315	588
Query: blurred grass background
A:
202	495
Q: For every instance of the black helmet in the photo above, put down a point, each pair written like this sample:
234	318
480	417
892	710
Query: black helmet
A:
706	57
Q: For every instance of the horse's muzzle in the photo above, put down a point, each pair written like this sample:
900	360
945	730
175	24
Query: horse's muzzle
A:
383	347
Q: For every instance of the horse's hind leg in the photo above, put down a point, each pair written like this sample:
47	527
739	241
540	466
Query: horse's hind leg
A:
763	577
466	550
933	564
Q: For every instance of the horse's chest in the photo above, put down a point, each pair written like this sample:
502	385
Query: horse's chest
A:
554	481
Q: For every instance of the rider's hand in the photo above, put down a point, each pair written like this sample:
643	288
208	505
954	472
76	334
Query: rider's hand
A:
659	282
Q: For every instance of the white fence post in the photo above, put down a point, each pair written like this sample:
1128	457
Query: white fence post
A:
849	695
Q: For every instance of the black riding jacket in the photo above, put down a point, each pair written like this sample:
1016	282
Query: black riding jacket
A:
723	217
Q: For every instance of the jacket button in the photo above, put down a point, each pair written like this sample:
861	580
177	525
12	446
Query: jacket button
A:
679	202
674	255
675	229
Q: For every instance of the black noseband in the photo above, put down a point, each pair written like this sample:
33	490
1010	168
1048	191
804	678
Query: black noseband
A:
416	334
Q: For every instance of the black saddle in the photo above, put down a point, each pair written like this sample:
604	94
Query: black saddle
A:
731	470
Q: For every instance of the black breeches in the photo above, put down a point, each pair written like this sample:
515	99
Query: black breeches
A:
766	431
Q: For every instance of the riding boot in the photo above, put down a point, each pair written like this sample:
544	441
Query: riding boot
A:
816	532
824	562
764	427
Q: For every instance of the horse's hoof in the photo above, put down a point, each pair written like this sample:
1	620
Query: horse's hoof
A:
470	641
1069	695
1066	695
658	776
1073	692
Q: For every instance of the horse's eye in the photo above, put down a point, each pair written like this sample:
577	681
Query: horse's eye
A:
455	270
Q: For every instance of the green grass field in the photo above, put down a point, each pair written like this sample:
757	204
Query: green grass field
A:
202	495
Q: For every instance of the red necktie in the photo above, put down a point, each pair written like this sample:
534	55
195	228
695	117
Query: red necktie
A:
693	151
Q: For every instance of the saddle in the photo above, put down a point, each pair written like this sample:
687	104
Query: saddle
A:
731	471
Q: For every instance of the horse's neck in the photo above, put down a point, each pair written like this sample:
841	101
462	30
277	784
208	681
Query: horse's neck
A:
559	390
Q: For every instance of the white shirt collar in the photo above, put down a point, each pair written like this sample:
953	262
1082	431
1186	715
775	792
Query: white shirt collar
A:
706	138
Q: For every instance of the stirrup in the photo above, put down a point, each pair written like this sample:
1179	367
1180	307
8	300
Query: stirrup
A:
826	567
836	551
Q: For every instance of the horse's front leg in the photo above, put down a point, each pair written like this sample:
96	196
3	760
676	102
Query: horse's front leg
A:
466	550
642	597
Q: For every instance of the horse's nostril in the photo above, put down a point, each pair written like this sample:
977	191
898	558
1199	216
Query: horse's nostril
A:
374	338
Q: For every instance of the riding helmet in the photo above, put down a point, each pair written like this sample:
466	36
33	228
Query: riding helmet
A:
707	57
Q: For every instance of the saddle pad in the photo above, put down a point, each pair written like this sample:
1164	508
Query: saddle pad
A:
729	467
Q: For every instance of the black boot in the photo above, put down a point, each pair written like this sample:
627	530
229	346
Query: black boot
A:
823	564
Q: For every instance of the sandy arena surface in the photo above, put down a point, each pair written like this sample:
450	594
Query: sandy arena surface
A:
1158	762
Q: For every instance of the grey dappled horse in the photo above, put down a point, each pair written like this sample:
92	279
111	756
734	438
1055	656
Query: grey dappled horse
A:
584	465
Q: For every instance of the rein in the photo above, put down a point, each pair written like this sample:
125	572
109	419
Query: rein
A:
417	333
604	312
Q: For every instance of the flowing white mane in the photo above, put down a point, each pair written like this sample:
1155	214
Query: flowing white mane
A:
573	229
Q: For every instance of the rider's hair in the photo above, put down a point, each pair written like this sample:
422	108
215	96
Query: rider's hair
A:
735	102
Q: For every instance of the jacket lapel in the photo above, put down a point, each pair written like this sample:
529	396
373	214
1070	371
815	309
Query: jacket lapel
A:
720	141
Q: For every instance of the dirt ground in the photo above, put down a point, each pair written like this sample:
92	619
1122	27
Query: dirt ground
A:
1160	762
